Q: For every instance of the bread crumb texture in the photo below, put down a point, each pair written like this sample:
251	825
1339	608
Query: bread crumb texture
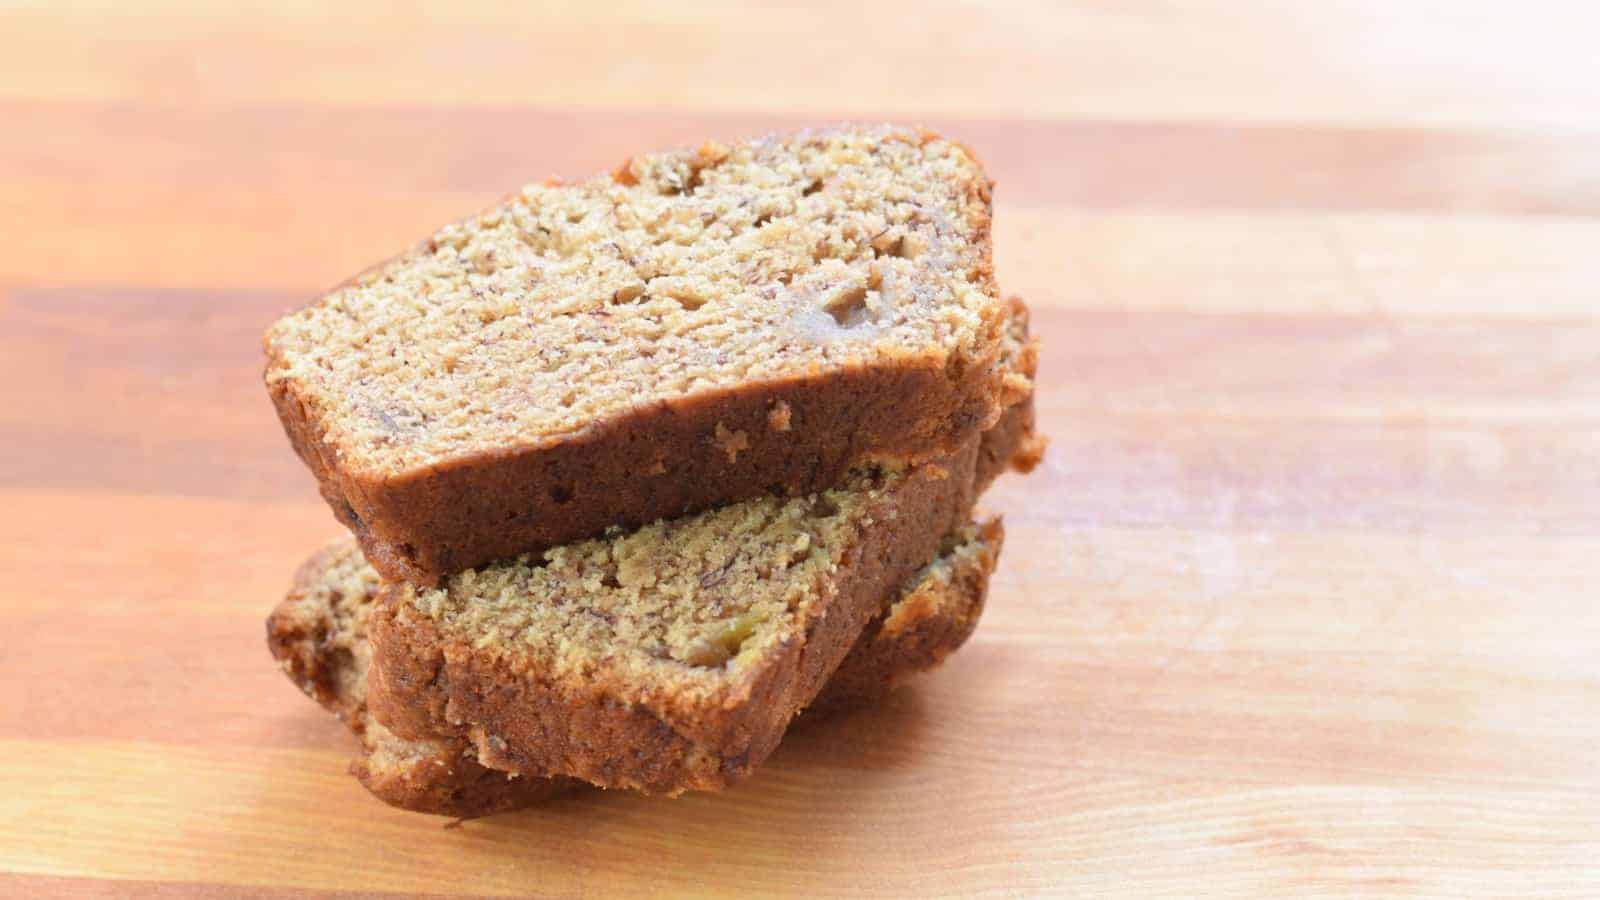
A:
328	608
569	304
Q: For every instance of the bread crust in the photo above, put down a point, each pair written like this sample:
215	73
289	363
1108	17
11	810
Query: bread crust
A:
1013	443
441	777
660	462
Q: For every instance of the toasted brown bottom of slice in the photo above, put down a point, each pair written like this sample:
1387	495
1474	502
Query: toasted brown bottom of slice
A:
318	635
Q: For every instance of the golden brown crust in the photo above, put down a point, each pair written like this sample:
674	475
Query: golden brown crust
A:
426	682
1013	442
661	462
443	778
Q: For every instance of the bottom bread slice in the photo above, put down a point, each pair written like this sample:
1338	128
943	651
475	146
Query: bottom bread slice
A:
319	636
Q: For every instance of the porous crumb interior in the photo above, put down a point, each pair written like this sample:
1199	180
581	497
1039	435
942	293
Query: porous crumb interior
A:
388	752
956	552
928	595
681	272
339	600
683	602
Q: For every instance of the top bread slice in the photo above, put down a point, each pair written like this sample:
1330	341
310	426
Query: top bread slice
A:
673	657
696	328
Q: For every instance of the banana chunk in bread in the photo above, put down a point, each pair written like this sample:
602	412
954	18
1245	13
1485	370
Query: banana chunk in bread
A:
318	635
697	328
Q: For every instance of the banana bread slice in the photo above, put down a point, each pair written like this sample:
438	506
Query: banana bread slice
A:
696	328
318	636
665	659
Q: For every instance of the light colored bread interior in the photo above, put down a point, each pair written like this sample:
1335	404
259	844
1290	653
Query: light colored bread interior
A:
682	272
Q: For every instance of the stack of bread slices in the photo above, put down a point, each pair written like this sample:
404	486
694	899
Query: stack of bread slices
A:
640	468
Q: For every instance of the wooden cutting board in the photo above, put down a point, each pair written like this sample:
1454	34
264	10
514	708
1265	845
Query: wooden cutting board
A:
1302	601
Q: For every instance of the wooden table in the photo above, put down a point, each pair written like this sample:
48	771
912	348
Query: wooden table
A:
1302	602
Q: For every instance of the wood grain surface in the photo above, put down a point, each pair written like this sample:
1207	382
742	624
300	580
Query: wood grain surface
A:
1303	601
